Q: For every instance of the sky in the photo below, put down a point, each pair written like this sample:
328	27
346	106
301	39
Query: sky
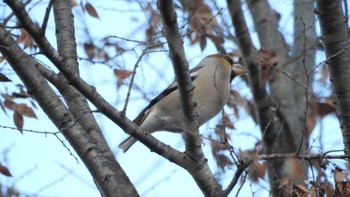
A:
42	166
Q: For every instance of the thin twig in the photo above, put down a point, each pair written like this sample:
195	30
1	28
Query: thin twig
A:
241	167
44	133
132	81
329	58
306	89
29	130
65	146
303	156
126	39
144	52
313	177
281	71
203	25
4	22
241	186
46	17
270	120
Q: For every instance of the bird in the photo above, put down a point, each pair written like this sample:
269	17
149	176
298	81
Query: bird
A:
211	79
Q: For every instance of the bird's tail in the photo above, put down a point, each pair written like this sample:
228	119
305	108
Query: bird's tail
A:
127	143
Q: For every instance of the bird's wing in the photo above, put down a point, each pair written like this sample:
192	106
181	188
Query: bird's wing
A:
171	88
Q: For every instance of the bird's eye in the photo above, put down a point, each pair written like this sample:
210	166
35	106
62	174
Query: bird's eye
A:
229	60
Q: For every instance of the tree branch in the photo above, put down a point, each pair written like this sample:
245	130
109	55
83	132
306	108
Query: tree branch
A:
37	86
240	169
200	171
262	101
183	78
335	41
101	104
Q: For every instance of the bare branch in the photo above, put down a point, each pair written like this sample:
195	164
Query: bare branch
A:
240	169
202	175
37	86
336	44
46	17
180	65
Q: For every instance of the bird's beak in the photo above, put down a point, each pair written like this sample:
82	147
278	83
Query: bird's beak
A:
239	69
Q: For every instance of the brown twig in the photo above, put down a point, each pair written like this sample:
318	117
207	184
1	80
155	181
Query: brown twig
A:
46	17
132	81
241	167
329	58
306	89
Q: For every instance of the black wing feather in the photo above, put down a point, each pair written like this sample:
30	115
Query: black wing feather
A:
138	120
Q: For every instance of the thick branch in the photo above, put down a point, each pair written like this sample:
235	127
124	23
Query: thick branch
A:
304	51
288	128
180	65
25	67
335	41
90	92
202	174
281	86
76	102
249	53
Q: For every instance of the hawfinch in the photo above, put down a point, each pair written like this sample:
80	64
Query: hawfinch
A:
211	79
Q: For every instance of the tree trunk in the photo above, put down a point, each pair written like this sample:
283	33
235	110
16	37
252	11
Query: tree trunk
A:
336	45
288	95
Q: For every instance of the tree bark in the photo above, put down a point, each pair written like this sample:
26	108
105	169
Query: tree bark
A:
77	103
287	119
335	38
97	164
305	41
116	181
201	174
249	52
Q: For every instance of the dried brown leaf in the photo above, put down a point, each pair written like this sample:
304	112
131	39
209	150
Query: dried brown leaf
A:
9	104
227	122
203	42
256	170
25	39
149	33
236	111
267	58
342	189
20	95
18	120
216	147
122	73
24	110
89	50
328	188
3	78
301	191
325	109
4	170
120	50
223	161
294	169
236	99
91	10
217	40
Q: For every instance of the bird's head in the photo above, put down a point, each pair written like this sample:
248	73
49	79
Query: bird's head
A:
228	65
